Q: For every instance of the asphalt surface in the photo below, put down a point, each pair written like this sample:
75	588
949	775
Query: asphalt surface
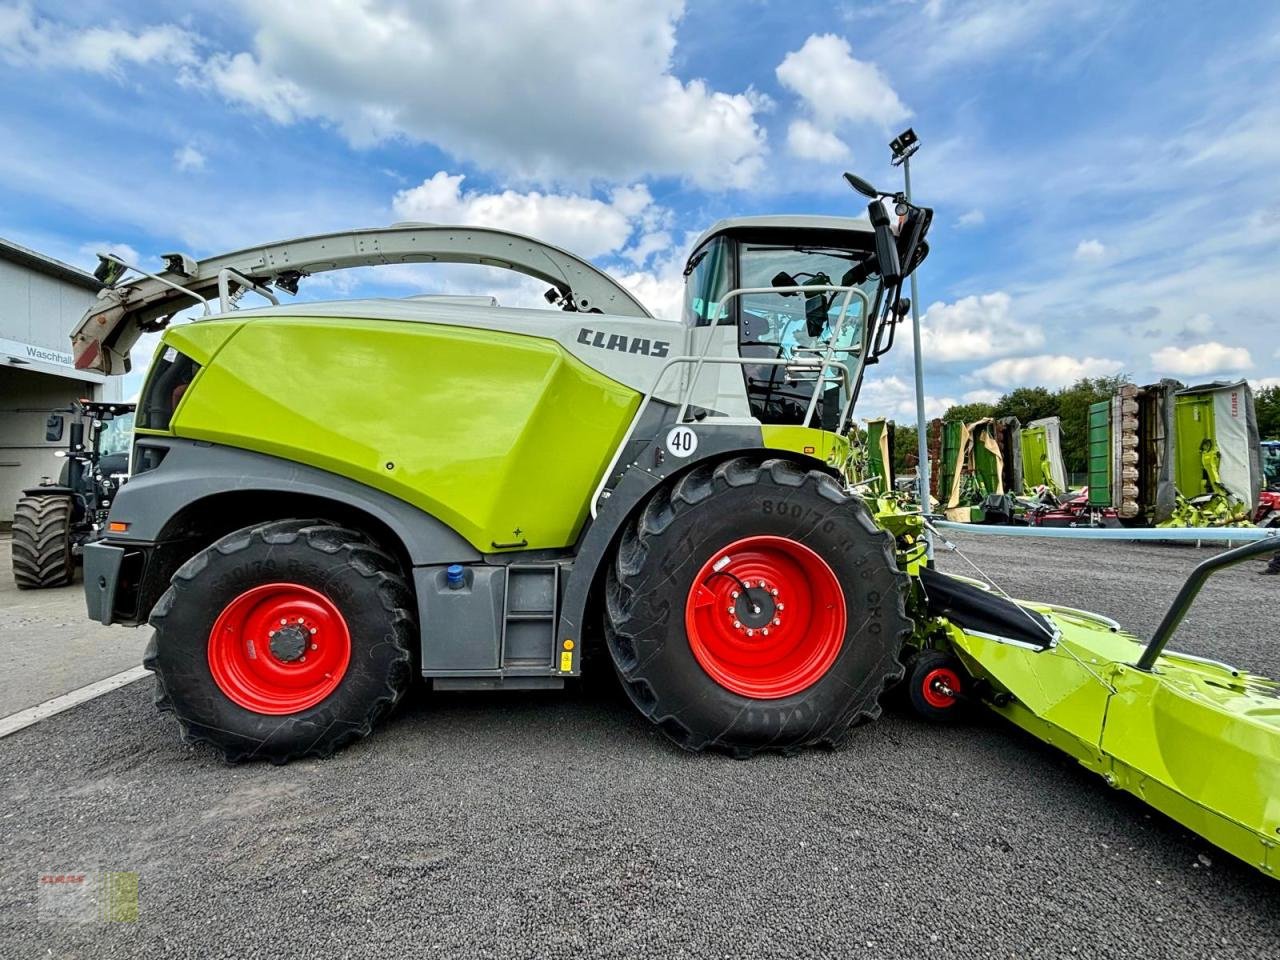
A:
562	825
47	645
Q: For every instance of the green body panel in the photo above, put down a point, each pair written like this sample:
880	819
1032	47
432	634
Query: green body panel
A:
1193	423
501	436
1198	740
199	341
949	456
988	468
1100	454
831	448
880	455
1035	451
1206	748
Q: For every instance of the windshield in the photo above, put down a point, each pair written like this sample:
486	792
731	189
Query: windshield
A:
114	434
793	321
793	327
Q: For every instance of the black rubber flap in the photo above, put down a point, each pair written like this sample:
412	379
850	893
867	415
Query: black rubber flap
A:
981	611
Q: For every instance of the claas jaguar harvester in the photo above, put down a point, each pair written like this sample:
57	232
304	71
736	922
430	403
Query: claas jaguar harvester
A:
328	498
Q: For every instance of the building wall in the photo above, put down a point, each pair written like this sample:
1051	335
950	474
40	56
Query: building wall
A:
37	314
40	311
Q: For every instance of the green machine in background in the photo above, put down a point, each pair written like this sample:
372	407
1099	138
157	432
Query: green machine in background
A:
1174	455
1218	467
979	468
1042	455
880	456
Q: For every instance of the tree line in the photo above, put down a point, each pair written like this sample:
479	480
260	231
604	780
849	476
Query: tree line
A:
1071	405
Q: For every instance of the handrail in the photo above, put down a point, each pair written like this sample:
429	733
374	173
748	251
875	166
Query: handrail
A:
1191	589
644	404
826	360
848	291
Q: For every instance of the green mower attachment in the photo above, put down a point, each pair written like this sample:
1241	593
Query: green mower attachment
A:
1196	739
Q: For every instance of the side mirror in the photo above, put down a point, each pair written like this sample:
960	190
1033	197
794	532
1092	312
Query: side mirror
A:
53	427
912	248
886	245
784	279
860	185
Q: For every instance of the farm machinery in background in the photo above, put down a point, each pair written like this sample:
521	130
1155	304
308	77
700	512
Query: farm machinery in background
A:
1268	512
52	522
1165	455
1161	455
995	471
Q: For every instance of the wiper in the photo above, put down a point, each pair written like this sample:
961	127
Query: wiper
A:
696	259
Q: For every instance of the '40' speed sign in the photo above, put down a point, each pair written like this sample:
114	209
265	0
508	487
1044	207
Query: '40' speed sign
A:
682	441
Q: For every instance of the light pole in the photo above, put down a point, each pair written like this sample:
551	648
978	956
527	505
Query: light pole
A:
904	147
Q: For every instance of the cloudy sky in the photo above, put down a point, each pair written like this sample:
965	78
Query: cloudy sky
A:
1106	173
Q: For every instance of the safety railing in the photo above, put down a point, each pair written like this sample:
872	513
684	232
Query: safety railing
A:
820	364
1191	589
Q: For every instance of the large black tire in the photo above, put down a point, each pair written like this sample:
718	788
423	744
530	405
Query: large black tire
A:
680	530
42	542
365	586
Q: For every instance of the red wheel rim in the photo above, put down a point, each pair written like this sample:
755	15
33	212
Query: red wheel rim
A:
765	617
279	648
934	680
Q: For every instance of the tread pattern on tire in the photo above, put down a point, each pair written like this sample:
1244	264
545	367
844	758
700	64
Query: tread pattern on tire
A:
42	542
657	515
369	560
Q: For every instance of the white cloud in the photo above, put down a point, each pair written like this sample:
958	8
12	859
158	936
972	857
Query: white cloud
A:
187	158
837	88
1201	359
981	396
1090	250
1264	383
660	290
544	92
894	398
1046	370
242	79
582	225
980	31
975	327
971	218
28	40
808	141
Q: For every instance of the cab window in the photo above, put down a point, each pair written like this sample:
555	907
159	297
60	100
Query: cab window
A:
709	277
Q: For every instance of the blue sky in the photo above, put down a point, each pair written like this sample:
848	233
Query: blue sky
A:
1106	174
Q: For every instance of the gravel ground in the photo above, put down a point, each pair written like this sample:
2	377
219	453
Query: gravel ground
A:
561	825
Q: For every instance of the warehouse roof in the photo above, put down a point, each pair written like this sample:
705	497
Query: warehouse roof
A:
16	253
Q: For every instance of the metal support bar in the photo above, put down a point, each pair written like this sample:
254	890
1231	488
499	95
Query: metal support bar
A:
160	280
1191	589
1160	534
922	422
225	278
849	292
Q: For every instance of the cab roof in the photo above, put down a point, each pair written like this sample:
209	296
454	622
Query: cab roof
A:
857	231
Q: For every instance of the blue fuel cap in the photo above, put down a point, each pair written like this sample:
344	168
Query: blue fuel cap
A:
453	575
